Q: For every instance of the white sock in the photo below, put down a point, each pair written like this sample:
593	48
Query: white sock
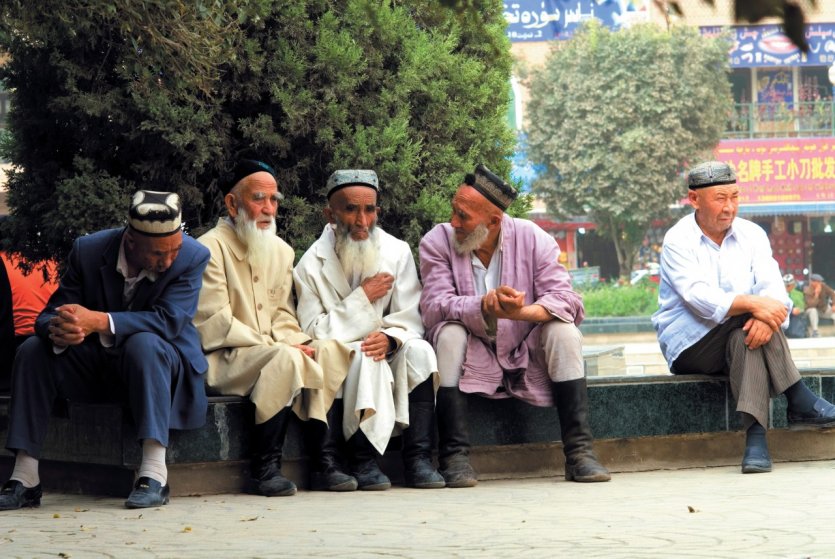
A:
26	470
153	461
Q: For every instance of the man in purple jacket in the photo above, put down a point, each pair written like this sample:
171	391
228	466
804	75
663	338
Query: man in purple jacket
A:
503	318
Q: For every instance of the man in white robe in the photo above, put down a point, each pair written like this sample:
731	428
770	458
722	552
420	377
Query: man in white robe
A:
359	285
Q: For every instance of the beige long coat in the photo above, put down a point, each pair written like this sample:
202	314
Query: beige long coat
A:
247	324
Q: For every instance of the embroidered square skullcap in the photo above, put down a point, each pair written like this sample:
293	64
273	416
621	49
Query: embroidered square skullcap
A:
710	173
788	279
243	169
816	277
156	214
497	191
352	177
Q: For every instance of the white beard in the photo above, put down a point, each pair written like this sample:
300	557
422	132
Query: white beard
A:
472	241
258	241
359	259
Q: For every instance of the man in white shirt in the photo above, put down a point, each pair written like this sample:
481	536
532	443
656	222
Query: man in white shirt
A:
723	307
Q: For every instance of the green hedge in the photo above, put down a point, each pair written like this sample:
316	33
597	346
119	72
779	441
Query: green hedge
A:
620	300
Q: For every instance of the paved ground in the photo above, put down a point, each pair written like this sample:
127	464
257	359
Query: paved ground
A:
711	513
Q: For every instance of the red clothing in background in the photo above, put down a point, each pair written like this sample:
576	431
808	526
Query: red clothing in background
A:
29	293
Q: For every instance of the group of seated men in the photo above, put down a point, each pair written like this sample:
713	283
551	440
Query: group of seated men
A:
350	342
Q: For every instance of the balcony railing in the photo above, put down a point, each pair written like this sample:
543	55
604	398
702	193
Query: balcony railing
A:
781	120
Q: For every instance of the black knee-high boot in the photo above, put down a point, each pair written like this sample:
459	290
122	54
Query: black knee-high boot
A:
417	439
324	448
581	464
454	438
265	466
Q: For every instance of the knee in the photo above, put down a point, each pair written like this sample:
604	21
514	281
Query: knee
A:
418	351
142	345
33	347
452	338
557	333
736	338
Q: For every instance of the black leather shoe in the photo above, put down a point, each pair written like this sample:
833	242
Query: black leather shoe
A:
756	460
14	496
146	493
822	415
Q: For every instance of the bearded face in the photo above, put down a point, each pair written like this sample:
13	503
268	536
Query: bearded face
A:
471	241
258	239
359	259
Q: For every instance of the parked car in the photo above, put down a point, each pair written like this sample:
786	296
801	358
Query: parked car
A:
652	272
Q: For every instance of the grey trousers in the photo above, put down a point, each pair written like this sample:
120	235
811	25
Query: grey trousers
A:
561	351
755	374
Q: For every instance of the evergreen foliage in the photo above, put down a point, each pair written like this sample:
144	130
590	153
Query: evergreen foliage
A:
109	97
616	116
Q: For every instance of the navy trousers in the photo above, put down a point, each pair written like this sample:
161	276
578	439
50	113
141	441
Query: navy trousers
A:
141	372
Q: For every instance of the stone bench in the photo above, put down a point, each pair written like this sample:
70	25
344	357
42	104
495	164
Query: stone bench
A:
640	423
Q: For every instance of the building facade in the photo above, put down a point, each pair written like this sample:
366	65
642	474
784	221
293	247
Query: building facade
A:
780	136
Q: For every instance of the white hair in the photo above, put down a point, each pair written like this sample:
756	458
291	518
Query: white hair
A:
258	241
359	259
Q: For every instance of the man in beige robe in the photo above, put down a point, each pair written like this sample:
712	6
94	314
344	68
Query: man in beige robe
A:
359	285
248	328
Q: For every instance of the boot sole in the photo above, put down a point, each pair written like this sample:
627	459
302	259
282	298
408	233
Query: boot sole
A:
428	485
588	479
375	487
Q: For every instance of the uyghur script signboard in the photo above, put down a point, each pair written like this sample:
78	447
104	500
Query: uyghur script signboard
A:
546	20
789	170
766	45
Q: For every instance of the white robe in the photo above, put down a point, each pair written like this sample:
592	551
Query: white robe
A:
377	395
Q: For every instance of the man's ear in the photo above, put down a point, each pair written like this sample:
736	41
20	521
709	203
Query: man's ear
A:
693	197
231	205
328	213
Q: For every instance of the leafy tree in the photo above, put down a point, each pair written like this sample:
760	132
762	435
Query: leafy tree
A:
615	117
109	97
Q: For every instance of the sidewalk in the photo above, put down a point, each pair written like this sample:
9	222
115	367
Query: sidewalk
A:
710	513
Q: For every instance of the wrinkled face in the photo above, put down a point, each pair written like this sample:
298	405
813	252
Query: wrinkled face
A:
469	210
354	208
153	254
716	208
258	196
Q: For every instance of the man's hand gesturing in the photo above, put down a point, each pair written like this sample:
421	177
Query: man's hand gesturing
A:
377	285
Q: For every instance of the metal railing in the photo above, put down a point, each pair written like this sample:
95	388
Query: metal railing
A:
781	120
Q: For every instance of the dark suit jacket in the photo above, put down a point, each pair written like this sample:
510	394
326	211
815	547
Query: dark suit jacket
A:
164	307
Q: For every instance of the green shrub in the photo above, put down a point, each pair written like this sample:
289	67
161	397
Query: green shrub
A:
621	300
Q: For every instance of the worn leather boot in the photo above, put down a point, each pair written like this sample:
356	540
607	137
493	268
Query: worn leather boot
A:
417	439
265	466
581	464
364	465
324	447
454	439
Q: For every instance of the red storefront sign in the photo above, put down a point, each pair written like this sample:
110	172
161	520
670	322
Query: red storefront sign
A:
782	170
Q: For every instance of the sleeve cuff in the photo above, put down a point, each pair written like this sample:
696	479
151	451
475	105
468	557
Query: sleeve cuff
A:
107	340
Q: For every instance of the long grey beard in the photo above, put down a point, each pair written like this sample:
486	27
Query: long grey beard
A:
358	258
472	241
258	241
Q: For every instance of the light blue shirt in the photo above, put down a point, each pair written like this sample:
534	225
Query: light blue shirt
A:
700	279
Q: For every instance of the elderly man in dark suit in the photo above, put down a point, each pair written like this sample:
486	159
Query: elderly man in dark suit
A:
118	327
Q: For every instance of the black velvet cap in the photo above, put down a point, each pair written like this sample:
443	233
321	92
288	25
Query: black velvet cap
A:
497	191
243	169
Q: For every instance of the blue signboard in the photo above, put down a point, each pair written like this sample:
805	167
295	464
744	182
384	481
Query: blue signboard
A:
546	20
757	46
